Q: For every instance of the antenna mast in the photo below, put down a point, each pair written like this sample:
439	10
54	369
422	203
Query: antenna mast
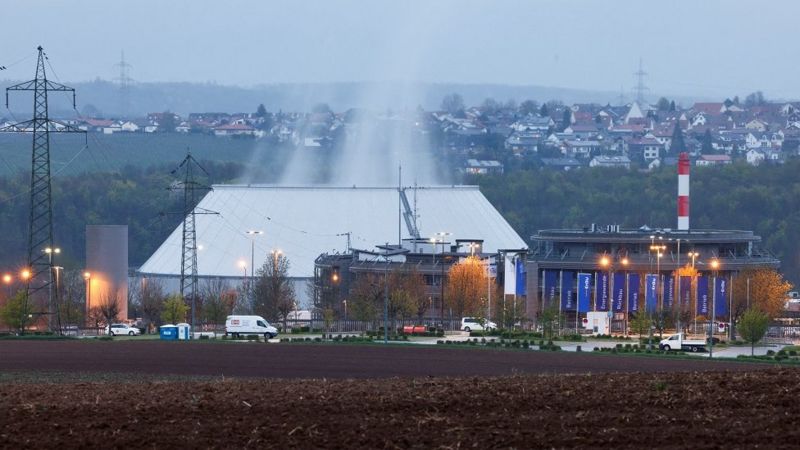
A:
40	225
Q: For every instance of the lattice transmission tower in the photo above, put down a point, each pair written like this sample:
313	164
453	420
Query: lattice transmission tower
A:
190	188
124	80
40	227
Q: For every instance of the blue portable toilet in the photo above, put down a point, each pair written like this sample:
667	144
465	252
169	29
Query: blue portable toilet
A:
183	331
168	332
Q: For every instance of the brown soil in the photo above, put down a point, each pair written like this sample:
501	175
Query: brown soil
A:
741	407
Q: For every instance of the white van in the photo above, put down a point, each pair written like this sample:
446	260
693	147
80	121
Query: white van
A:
241	325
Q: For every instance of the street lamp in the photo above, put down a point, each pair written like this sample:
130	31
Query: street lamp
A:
693	254
7	279
50	252
253	234
714	268
88	277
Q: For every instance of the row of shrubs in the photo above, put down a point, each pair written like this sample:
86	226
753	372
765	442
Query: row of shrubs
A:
632	349
503	343
772	355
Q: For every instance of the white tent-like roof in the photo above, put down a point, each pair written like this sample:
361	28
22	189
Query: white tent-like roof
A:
303	222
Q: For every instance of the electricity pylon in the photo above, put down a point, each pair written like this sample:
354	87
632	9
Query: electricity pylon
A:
40	231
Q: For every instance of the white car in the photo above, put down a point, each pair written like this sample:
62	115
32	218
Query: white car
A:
121	329
474	324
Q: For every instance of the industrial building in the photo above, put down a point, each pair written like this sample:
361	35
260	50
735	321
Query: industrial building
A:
623	271
243	224
336	275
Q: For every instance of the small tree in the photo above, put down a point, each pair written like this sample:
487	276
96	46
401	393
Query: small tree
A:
466	287
174	309
16	312
108	308
218	301
550	319
453	104
151	301
641	323
752	326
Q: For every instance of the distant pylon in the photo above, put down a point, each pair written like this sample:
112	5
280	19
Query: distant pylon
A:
40	225
124	80
640	87
189	233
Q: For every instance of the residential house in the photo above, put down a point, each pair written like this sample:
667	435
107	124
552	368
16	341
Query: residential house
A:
483	167
564	164
713	160
610	161
580	149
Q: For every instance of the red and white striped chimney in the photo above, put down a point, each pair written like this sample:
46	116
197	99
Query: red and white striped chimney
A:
683	191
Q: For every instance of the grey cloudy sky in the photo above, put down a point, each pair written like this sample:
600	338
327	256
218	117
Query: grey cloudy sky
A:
709	47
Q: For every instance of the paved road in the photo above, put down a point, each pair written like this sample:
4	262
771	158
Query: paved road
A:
251	359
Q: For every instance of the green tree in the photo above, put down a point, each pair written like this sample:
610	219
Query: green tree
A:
174	310
708	143
168	122
261	111
677	143
672	106
16	313
753	326
566	118
453	104
543	111
641	323
528	107
366	294
662	104
550	319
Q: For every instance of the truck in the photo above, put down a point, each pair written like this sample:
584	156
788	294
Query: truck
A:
677	342
244	325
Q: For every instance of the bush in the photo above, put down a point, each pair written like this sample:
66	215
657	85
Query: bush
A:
204	336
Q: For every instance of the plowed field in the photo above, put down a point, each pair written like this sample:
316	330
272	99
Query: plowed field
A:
656	403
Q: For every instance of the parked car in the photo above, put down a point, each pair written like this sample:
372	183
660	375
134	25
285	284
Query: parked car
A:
475	324
121	329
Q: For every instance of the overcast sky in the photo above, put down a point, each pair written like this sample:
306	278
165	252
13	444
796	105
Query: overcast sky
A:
689	47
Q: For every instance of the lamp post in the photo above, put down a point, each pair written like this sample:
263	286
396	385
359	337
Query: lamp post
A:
88	277
253	234
386	302
624	261
693	254
442	235
659	249
7	279
50	251
605	263
714	267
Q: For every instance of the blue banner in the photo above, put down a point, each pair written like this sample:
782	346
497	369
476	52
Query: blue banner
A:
618	301
584	291
522	275
550	286
651	293
601	292
685	291
567	290
721	298
702	296
633	292
668	289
